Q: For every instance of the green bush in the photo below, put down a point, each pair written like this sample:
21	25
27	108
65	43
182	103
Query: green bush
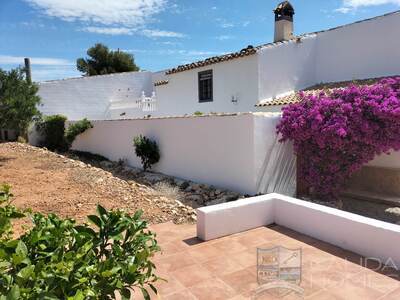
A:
52	129
147	150
198	113
55	136
58	259
76	129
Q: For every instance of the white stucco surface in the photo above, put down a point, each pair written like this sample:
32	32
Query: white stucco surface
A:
91	97
219	150
366	49
346	230
237	78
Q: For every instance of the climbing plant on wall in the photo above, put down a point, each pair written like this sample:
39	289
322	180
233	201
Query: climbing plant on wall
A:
335	133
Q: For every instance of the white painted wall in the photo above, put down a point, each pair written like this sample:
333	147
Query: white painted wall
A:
343	229
237	78
91	97
286	67
219	150
361	50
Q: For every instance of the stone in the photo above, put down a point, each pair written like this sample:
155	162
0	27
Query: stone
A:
153	177
195	187
393	211
106	164
183	184
216	201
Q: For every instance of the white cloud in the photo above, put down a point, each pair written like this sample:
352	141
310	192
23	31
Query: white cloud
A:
42	61
351	5
225	37
162	33
111	17
126	12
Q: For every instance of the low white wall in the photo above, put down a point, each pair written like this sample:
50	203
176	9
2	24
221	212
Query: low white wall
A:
225	151
346	230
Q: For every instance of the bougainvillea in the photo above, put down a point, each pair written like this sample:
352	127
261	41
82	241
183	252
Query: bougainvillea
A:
336	132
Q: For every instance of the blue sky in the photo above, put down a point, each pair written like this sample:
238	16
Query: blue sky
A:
159	33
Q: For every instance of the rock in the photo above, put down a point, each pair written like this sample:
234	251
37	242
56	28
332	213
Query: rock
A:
196	198
106	164
216	201
393	211
195	187
153	177
183	184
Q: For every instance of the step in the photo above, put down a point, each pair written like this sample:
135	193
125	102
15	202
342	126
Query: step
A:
372	197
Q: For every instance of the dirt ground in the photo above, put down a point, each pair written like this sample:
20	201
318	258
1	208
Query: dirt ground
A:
51	183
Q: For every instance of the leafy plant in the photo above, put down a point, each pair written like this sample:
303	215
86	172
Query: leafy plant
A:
76	129
7	212
58	259
147	150
52	129
18	101
335	134
198	113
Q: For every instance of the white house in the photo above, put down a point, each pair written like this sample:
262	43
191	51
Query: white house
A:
244	81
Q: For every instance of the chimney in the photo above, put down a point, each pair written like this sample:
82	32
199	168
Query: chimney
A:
28	70
283	21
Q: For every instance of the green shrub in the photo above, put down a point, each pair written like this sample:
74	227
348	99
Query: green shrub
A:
147	150
52	129
198	113
76	129
58	259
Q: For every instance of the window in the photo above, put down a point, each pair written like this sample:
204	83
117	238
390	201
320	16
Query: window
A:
206	86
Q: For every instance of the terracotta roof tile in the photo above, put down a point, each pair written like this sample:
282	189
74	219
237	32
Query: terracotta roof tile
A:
316	89
161	82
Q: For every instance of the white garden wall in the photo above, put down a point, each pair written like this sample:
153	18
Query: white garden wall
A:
91	97
225	151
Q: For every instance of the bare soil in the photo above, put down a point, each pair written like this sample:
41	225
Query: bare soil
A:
48	182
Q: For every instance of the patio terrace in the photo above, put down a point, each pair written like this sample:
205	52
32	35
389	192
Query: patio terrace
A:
225	268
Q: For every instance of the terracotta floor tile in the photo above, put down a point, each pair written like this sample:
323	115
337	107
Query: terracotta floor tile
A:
169	285
246	258
213	289
222	265
251	239
204	253
394	295
349	289
376	281
174	262
225	268
243	282
327	295
183	295
192	275
229	246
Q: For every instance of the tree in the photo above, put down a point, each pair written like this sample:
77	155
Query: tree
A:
105	61
18	100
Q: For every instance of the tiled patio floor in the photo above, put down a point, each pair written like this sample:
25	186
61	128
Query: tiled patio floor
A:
226	268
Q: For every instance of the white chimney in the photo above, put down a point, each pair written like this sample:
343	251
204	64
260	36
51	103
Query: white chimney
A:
283	21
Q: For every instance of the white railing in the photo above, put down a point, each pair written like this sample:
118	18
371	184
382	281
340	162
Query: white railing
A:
145	104
149	103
